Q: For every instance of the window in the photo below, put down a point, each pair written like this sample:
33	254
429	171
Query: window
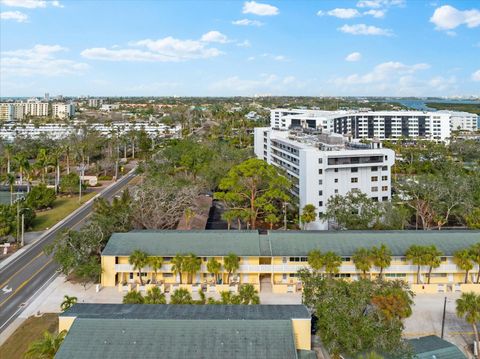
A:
336	191
385	168
374	178
384	188
375	199
346	259
131	274
167	275
354	169
320	171
354	180
335	170
384	178
385	199
320	160
375	189
320	181
298	259
320	193
320	204
374	168
320	214
336	180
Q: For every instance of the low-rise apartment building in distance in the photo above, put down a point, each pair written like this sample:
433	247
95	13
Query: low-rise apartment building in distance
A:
381	125
270	262
322	165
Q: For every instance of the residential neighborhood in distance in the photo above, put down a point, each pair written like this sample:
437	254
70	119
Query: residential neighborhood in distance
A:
251	179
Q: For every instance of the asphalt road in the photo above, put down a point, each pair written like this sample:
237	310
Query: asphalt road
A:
32	271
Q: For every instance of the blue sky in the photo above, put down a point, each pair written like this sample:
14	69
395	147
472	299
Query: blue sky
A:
225	48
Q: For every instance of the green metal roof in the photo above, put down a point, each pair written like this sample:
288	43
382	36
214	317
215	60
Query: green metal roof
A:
434	347
178	339
185	311
287	243
281	243
170	243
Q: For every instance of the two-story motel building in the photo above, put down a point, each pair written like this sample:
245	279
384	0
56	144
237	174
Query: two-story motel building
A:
271	261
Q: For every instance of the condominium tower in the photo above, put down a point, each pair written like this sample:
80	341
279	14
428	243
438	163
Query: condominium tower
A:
322	165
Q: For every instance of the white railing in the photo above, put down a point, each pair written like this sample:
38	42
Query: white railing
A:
292	268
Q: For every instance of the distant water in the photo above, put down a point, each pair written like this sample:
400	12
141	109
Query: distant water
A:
422	105
4	197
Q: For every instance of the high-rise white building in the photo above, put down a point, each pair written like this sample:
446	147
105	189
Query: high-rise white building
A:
323	165
436	126
12	111
35	108
63	110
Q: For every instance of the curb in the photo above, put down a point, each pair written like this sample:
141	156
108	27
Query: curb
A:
18	254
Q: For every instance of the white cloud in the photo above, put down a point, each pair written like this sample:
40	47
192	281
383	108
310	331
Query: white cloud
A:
381	73
275	57
14	15
244	43
375	13
247	22
344	13
476	76
251	58
214	36
31	4
39	60
252	7
167	49
379	3
395	79
362	29
265	83
354	56
447	18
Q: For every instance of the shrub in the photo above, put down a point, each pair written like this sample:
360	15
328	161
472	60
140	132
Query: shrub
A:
40	197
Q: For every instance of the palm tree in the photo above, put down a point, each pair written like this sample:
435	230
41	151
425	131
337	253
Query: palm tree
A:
332	263
42	162
189	214
381	258
155	263
214	267
463	260
22	164
178	265
155	296
181	296
138	259
309	214
47	347
315	260
8	150
475	253
416	254
10	180
192	265
468	307
231	264
362	259
248	294
432	259
229	216
68	302
133	297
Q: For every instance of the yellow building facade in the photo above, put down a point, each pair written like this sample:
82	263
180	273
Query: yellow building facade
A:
270	262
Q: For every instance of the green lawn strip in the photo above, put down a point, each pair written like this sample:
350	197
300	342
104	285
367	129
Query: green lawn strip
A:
32	329
62	207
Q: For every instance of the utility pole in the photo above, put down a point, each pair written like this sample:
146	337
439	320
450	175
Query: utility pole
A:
81	170
285	216
443	318
23	229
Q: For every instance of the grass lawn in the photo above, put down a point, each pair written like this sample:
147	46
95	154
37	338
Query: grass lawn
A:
32	329
62	207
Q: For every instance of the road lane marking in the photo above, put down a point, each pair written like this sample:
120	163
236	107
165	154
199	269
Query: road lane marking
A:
21	309
24	283
20	270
